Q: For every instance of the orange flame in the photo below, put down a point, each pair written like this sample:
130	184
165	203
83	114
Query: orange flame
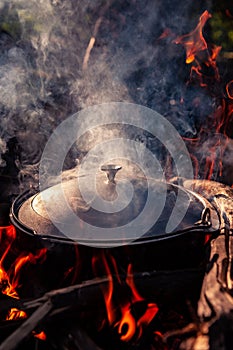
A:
128	326
15	314
75	269
149	314
9	280
204	71
194	42
108	292
197	50
41	335
229	89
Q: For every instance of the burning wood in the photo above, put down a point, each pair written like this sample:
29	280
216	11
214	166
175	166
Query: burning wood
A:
86	296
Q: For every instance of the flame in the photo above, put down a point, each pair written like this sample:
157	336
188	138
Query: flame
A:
9	279
122	317
15	314
204	71
207	239
129	280
13	275
229	89
194	42
108	292
151	309
41	335
166	33
73	271
127	322
198	52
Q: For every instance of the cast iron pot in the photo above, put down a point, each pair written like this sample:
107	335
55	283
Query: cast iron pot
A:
157	248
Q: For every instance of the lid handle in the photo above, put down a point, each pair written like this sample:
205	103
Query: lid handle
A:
111	170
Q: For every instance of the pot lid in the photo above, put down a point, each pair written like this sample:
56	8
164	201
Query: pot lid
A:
122	206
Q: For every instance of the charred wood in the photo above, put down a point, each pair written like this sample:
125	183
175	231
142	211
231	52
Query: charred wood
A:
82	297
26	328
85	294
74	339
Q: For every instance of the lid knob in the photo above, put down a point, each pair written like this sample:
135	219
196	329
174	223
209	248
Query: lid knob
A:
111	170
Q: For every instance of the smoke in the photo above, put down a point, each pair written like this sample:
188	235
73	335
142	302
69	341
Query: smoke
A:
43	81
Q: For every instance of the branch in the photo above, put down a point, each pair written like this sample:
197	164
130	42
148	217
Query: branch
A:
94	34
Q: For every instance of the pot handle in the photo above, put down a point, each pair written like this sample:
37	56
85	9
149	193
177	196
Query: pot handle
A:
111	170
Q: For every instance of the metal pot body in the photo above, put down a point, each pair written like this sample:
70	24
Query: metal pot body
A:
156	250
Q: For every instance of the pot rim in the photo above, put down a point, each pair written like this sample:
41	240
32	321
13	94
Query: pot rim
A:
199	227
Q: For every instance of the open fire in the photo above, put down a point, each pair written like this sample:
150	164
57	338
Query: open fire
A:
128	327
204	71
10	276
125	312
